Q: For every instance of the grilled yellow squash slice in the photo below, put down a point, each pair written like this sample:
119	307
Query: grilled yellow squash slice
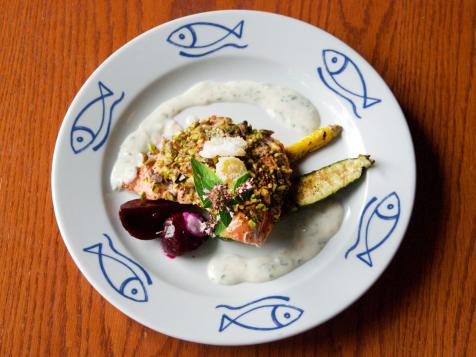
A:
317	139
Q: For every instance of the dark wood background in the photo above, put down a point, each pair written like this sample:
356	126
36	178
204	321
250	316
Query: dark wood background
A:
423	305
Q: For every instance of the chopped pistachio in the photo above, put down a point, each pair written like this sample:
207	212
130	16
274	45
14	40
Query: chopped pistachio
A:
150	160
152	148
169	196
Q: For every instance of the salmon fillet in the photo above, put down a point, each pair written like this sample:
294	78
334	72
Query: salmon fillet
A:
239	230
166	174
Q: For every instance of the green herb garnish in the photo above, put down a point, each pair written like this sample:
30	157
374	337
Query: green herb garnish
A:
225	220
204	179
241	180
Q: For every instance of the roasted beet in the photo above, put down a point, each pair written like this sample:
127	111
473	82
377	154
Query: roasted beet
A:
144	219
182	232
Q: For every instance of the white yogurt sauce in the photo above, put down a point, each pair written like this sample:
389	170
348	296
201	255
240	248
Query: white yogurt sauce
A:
310	228
151	130
282	103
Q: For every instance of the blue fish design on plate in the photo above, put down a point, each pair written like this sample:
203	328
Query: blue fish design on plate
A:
92	125
124	275
341	75
202	38
379	217
265	314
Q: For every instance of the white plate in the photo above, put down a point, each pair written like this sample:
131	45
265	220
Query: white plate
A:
175	297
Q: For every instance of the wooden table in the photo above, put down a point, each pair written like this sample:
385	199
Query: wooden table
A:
423	305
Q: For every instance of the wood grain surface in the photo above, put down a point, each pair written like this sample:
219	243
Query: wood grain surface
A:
423	305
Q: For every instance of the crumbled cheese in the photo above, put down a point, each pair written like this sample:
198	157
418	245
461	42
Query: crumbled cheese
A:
224	146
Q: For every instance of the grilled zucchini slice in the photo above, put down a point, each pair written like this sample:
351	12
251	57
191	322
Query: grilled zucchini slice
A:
319	184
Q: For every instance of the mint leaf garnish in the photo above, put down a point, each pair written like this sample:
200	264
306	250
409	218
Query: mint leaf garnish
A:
204	179
240	180
225	220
